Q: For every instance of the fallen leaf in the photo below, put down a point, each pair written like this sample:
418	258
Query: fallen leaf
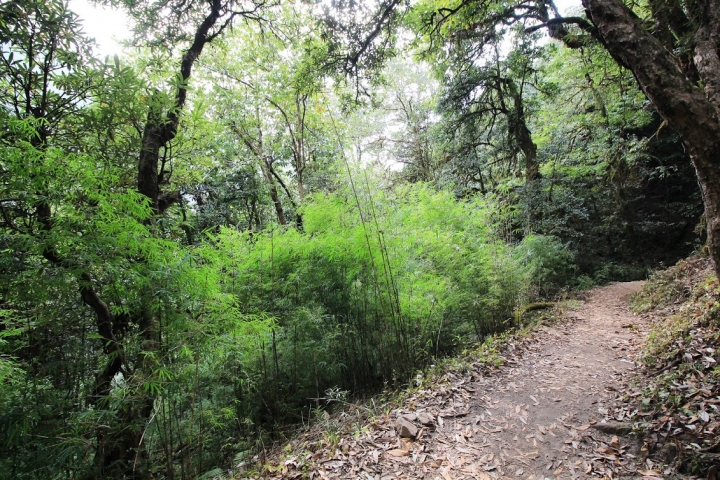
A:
445	474
398	453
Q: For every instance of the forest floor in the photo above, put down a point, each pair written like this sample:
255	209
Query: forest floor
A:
549	411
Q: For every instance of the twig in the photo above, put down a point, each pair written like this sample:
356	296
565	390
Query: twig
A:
667	367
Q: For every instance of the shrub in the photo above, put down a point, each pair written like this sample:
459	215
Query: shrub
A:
549	264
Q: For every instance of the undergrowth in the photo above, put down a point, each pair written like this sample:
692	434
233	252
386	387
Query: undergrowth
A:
668	287
680	396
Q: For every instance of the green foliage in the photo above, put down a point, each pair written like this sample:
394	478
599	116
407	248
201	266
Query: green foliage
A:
548	263
370	291
602	173
616	186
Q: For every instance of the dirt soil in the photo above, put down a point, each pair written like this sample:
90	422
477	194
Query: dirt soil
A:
542	415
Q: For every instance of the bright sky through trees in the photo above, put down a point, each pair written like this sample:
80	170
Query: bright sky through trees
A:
107	25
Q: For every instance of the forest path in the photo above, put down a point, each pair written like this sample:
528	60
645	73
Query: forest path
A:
541	415
533	420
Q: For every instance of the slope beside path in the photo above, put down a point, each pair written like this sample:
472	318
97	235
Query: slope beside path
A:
542	414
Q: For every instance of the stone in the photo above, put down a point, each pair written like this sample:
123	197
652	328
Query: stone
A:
669	453
411	417
425	418
405	428
613	428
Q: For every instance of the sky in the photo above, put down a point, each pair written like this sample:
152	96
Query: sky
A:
108	26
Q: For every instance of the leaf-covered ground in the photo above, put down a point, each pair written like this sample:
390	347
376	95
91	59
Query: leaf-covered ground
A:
561	405
676	399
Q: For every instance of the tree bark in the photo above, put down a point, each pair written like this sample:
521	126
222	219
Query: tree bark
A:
520	130
160	130
690	108
265	168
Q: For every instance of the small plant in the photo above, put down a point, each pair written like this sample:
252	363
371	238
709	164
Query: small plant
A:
331	439
359	430
335	394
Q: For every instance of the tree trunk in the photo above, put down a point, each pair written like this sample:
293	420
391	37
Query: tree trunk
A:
257	147
265	168
690	109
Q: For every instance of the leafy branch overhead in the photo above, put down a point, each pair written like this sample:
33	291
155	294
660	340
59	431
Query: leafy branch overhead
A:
482	22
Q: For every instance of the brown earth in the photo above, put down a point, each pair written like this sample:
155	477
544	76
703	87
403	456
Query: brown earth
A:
544	414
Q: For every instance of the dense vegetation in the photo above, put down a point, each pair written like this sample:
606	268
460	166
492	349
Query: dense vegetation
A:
264	206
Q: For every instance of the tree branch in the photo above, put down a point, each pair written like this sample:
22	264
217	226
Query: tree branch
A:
579	21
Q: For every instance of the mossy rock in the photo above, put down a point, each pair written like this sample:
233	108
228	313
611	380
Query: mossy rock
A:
531	307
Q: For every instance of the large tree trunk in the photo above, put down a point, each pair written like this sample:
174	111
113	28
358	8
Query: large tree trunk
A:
692	110
524	137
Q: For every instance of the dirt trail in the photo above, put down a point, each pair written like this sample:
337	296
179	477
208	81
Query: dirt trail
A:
536	418
533	421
